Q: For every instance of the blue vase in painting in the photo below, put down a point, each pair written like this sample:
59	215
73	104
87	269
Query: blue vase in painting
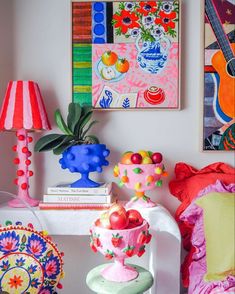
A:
152	55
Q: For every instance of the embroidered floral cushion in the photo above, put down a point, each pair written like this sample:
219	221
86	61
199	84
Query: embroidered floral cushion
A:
29	261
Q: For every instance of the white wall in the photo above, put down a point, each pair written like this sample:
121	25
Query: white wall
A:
35	44
6	73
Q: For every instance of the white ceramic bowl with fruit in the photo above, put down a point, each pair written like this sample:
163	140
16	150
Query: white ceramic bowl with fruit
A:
119	234
111	67
140	171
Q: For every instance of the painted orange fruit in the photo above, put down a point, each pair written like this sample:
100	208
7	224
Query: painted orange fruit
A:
109	58
122	65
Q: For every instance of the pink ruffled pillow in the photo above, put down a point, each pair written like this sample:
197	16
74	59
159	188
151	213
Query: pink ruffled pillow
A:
188	182
198	267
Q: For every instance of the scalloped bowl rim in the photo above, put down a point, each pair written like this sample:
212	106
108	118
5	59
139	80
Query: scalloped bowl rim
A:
131	229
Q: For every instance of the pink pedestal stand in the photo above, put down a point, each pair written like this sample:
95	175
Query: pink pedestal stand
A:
140	201
119	272
23	172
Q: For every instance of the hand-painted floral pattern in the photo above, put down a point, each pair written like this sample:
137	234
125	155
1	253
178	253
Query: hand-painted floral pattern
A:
32	269
126	20
5	265
143	18
52	267
15	282
35	283
166	20
9	242
147	7
36	245
29	262
20	261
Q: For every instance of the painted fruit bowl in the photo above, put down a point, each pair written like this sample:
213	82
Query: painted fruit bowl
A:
119	245
111	67
108	73
140	172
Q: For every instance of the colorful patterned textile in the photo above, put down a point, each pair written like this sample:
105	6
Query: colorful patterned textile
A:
29	261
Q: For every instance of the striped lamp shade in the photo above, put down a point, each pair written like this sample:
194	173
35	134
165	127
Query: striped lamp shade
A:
23	108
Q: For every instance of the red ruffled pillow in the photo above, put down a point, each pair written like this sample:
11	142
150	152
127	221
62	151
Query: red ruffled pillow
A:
188	183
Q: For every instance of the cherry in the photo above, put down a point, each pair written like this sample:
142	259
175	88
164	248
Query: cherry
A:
136	158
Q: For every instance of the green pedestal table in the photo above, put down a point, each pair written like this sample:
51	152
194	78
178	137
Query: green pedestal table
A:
98	284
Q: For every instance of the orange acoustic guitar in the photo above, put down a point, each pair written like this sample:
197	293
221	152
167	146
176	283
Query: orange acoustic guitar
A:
224	63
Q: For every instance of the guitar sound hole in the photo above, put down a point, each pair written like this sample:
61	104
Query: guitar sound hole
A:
231	67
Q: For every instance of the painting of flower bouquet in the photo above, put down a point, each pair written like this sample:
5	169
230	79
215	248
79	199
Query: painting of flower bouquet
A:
126	54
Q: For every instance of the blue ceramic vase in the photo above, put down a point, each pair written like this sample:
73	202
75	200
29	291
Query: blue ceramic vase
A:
152	56
85	159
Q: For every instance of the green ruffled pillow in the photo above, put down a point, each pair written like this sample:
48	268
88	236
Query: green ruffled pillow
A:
219	228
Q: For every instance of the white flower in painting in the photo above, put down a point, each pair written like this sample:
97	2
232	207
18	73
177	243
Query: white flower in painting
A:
158	32
129	6
167	6
135	33
148	21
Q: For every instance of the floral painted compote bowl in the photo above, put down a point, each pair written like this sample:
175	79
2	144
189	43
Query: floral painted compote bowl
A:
119	234
140	171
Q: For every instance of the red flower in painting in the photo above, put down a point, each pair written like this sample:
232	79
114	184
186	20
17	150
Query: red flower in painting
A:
15	282
147	7
165	20
126	20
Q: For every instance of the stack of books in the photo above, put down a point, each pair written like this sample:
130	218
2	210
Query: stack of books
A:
65	197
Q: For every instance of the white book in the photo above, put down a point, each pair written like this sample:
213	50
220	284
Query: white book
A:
104	189
83	199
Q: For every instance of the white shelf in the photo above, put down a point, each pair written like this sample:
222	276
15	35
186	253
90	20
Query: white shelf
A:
78	222
56	222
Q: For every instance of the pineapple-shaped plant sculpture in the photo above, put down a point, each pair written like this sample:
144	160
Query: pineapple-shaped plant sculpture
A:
81	152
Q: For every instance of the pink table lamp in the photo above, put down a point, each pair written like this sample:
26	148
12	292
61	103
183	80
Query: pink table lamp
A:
23	111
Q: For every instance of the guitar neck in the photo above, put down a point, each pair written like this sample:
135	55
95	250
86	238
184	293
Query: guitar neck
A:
218	30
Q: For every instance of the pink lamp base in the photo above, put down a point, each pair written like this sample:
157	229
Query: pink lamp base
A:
119	273
20	204
140	202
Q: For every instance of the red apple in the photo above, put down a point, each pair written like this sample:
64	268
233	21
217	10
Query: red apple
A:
156	157
136	158
104	220
117	207
118	221
135	217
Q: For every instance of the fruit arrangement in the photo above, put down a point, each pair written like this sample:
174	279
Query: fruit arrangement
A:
118	234
111	67
140	171
118	218
141	157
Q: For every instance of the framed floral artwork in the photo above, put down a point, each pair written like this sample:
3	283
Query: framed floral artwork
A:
126	55
219	75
